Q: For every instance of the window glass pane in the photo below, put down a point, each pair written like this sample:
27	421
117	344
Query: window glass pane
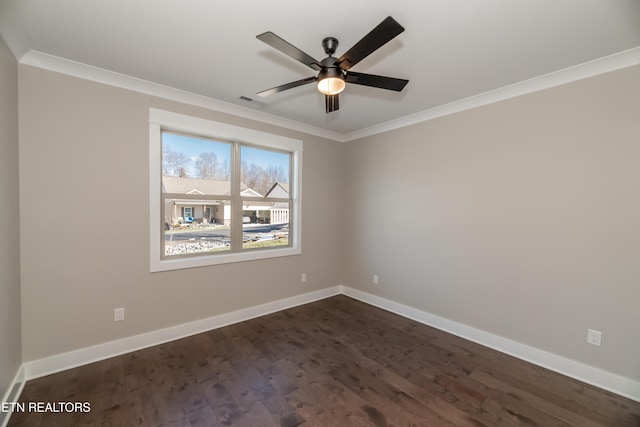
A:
195	235
261	169
265	176
197	168
192	165
271	230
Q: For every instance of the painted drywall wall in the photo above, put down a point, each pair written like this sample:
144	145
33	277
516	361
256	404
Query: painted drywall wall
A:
518	218
10	338
83	161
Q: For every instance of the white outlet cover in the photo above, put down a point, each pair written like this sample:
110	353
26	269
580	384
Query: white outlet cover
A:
594	337
118	314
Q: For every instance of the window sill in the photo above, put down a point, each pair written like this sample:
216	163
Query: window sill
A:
204	260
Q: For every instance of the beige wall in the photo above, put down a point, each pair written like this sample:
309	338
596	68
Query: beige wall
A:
521	218
10	340
83	146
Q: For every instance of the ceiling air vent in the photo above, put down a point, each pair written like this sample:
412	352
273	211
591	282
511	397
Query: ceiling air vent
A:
255	102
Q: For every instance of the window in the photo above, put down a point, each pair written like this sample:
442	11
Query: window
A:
220	193
188	214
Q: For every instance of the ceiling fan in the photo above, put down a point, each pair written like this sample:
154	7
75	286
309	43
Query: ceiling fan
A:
334	73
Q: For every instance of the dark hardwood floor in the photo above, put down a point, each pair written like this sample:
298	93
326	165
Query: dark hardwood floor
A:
336	362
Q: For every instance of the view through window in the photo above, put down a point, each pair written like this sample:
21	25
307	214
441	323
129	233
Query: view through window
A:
222	197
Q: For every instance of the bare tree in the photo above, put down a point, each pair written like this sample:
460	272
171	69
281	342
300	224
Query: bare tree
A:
206	165
277	174
223	171
250	174
261	180
174	163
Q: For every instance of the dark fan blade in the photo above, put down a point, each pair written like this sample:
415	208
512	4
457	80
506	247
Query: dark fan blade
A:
286	86
332	102
382	82
289	49
379	36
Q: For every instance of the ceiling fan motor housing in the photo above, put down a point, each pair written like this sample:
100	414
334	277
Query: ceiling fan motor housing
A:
330	44
330	72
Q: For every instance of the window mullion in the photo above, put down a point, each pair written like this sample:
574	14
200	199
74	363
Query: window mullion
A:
236	200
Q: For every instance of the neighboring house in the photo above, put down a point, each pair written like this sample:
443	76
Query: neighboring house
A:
187	210
279	211
194	210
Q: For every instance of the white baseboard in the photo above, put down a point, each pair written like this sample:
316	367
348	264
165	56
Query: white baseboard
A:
83	356
12	394
580	371
571	368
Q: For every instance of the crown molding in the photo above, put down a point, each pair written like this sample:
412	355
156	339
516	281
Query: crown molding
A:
603	65
12	30
101	75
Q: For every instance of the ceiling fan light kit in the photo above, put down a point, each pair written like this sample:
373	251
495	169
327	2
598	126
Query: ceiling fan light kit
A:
333	73
331	81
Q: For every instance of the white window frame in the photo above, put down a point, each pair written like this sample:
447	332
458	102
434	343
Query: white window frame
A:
161	120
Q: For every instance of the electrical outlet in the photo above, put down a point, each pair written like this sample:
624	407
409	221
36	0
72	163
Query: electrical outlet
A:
376	279
118	314
303	277
594	337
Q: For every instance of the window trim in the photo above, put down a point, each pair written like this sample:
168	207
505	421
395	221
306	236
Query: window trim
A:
160	120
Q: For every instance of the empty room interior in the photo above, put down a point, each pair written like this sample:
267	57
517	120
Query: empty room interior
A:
329	213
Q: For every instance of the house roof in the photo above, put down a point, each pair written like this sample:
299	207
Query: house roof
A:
275	187
174	184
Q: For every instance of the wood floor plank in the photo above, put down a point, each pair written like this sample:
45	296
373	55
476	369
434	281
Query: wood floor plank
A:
390	362
334	362
541	383
244	396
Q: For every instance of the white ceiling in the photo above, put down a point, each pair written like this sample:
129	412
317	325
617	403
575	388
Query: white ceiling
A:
450	50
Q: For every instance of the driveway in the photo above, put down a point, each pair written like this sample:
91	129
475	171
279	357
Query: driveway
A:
251	232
